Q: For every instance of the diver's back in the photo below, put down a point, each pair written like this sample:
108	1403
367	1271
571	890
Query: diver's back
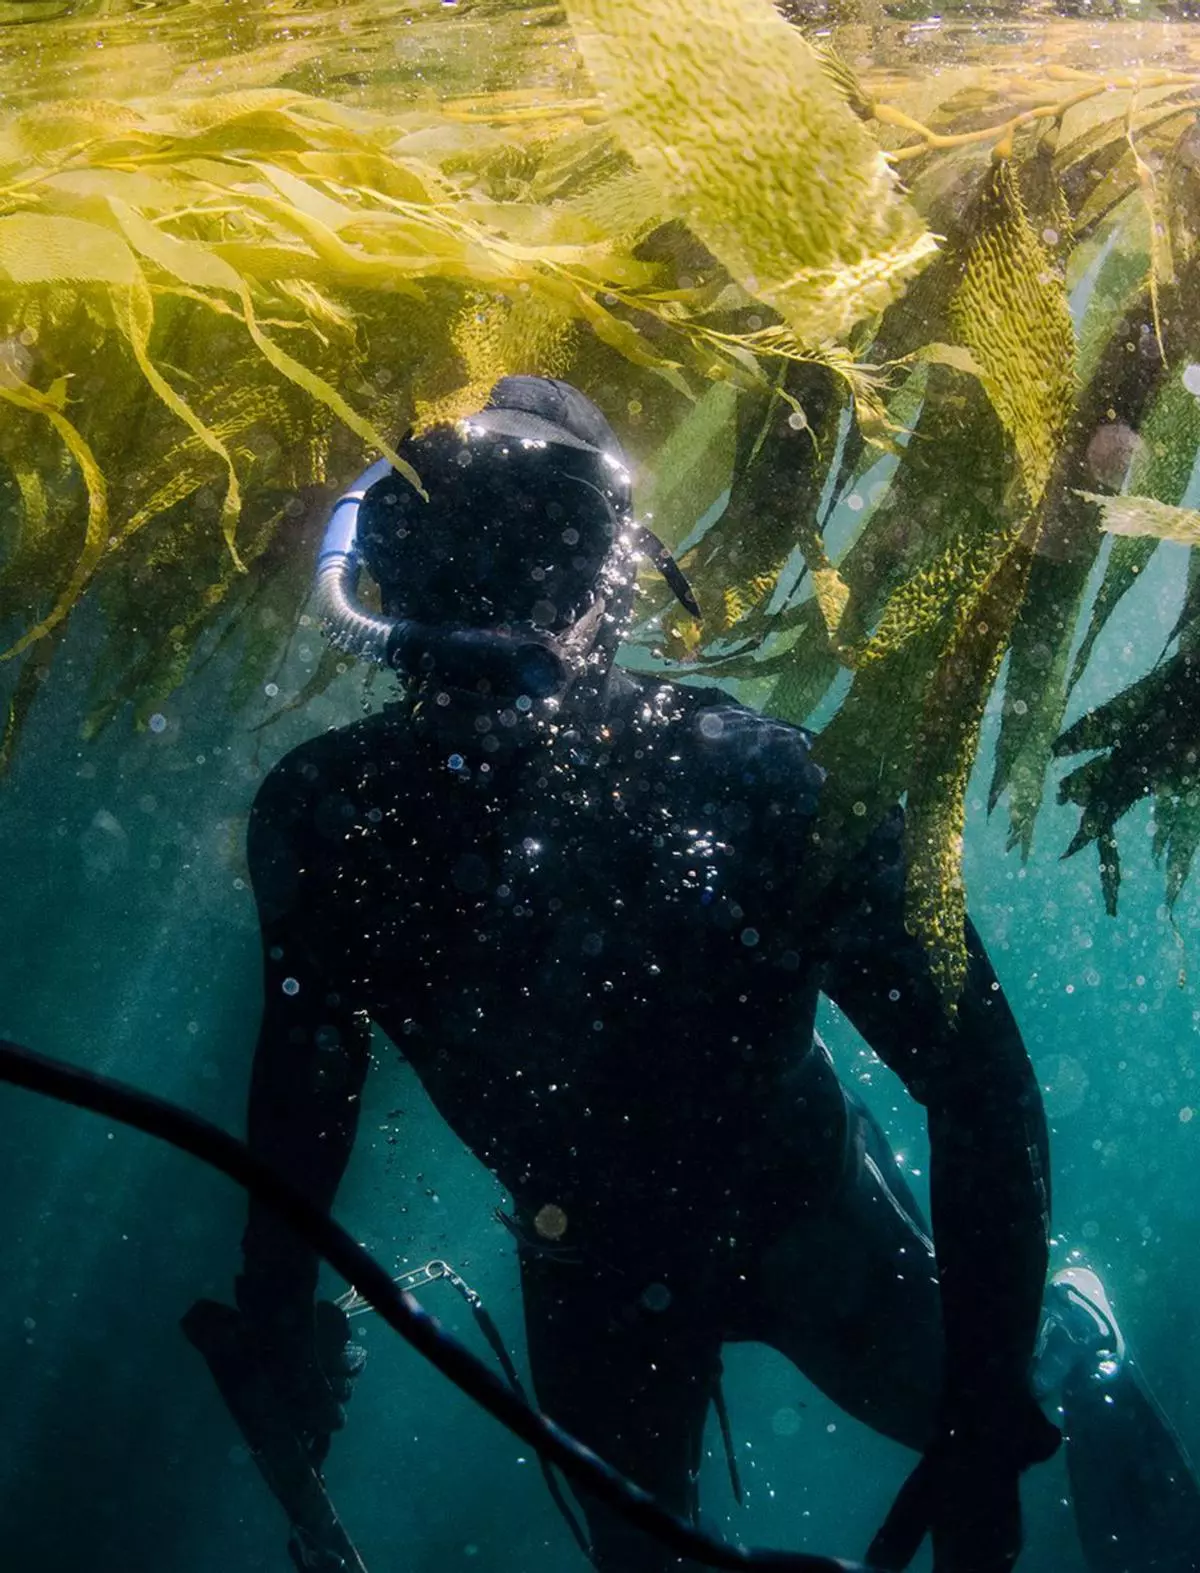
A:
587	951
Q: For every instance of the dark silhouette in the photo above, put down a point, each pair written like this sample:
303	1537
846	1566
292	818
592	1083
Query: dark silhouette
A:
588	917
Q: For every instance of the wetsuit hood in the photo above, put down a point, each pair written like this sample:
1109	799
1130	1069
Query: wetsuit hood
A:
516	579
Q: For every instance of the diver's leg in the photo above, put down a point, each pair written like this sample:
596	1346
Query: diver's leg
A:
627	1368
849	1293
851	1297
1135	1493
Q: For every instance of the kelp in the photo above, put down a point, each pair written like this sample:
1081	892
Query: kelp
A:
776	482
1146	516
807	214
1148	736
943	758
942	633
884	457
910	721
264	252
1148	739
1010	312
1099	446
1160	466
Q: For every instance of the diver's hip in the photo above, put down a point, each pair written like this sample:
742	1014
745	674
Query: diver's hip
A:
714	1206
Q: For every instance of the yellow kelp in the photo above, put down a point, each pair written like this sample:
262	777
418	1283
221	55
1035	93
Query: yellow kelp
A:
182	236
1146	516
1010	312
731	112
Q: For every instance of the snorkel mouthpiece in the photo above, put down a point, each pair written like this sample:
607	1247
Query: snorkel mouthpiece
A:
463	657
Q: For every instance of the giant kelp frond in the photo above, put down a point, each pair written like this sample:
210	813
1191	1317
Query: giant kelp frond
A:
96	533
1010	311
944	629
806	215
1146	516
1150	741
781	435
943	759
1160	459
1098	449
947	502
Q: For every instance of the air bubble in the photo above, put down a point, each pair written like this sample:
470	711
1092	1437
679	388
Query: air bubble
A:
785	1422
656	1297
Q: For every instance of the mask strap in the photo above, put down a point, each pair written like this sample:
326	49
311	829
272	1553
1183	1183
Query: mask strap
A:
644	539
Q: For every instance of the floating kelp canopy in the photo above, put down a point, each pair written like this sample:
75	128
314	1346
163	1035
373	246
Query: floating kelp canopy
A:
961	302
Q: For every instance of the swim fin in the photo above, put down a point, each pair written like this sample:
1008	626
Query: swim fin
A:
318	1543
1135	1492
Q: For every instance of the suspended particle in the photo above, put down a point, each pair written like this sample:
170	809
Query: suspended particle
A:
550	1222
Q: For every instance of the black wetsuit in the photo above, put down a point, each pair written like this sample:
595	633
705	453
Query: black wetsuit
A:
602	957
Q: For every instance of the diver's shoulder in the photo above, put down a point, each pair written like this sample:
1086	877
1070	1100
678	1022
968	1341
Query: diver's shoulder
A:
761	750
722	744
328	762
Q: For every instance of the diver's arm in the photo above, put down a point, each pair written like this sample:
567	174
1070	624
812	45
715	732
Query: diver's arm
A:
309	1067
989	1153
309	1064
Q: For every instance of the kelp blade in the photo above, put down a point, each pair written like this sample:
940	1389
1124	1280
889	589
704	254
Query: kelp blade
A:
731	112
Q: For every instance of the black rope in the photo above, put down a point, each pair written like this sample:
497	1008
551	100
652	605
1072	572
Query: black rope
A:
487	1326
722	1408
215	1147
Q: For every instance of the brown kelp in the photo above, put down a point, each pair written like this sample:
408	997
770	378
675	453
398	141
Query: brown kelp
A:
950	311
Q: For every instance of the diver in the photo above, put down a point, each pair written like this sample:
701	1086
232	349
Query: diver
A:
580	904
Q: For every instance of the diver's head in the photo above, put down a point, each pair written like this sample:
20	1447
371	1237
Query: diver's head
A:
527	520
514	581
